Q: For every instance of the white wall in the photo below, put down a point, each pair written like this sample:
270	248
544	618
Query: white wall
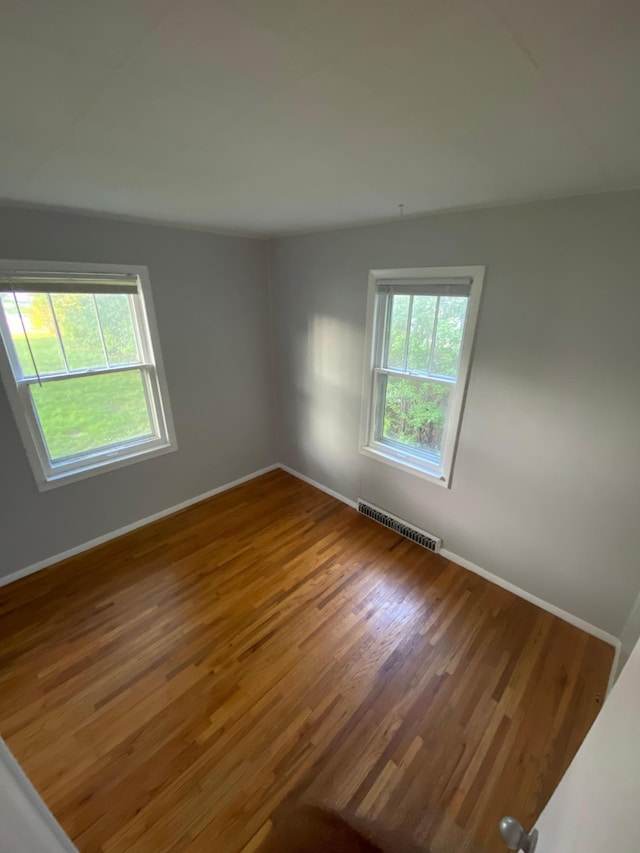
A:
26	824
595	807
630	634
211	300
546	487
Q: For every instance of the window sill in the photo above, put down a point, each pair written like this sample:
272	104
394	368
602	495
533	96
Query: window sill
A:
380	455
91	469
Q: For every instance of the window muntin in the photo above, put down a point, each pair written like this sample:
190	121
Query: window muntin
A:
84	383
421	325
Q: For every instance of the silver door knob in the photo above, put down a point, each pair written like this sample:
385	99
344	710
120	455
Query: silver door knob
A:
515	837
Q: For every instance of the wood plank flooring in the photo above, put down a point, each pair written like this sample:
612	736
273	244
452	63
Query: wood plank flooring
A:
178	688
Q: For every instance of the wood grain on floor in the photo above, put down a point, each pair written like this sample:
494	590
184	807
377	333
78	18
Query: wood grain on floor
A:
179	687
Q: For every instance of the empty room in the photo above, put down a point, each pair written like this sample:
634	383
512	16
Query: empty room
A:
319	406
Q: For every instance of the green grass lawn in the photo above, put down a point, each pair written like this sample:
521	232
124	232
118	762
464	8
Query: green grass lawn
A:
46	352
84	412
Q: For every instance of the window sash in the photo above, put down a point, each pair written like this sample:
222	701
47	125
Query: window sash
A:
161	439
399	448
80	373
411	374
383	334
138	321
385	292
121	449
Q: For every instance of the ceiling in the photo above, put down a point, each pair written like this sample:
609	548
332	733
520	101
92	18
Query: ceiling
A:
276	116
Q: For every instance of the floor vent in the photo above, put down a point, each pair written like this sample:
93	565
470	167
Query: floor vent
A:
431	543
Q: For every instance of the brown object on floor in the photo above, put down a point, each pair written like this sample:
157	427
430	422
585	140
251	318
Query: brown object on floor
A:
180	687
311	829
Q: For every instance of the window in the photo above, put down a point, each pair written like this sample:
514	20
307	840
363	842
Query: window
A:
420	335
81	367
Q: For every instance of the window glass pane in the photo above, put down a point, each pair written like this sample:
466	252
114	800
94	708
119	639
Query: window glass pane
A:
423	317
90	412
415	411
38	322
114	310
397	331
446	356
76	316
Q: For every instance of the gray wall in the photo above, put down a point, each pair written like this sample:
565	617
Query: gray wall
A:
546	486
211	300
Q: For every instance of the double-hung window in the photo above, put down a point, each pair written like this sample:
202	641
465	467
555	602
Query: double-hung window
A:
420	336
81	367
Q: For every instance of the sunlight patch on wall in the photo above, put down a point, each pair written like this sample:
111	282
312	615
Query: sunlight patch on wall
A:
330	352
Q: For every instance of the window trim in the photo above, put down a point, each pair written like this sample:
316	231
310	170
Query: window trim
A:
94	462
374	342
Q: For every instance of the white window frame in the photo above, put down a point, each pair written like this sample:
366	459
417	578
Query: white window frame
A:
48	474
397	455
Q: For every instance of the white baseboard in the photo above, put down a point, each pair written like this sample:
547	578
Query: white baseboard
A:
92	543
478	570
449	555
317	485
529	596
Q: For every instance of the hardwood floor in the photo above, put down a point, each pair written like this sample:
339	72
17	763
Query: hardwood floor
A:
177	688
